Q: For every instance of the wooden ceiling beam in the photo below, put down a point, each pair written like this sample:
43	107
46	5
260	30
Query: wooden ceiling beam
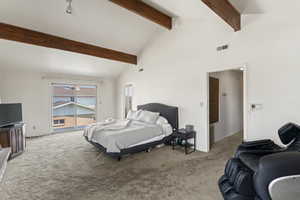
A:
226	11
146	11
18	34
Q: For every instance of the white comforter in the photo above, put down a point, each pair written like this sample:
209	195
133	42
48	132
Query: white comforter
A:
119	135
101	126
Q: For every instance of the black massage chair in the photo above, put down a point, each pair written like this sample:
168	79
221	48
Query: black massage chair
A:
262	170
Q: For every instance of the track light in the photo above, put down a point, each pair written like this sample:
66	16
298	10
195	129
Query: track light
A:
69	9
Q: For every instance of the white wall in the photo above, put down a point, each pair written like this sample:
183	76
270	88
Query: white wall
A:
176	66
231	104
33	90
1	76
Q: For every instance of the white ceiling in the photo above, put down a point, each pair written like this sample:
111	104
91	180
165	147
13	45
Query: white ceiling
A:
281	7
193	9
16	56
98	22
248	6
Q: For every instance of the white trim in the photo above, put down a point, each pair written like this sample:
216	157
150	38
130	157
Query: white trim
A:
245	103
124	98
50	106
69	79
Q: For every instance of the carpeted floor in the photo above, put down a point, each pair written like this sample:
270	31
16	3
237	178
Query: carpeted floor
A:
66	167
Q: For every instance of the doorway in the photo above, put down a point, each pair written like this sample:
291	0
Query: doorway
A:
73	106
128	91
226	105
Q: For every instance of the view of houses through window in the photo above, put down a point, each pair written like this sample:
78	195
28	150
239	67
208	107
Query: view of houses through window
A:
73	106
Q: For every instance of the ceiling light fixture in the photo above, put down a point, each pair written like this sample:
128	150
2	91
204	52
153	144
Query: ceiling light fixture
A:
69	9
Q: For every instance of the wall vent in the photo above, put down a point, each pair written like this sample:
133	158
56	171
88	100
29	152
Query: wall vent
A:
222	48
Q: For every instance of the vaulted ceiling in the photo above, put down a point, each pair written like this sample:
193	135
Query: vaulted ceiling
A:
97	22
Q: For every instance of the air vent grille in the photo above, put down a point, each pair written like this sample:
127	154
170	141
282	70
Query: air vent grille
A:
222	48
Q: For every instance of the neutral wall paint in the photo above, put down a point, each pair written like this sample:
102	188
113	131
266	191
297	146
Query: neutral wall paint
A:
1	76
231	104
177	63
33	90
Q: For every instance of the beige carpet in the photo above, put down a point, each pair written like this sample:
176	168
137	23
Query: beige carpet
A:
66	167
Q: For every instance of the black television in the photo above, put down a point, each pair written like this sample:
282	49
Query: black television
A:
10	114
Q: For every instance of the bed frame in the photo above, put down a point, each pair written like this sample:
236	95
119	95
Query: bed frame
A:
168	112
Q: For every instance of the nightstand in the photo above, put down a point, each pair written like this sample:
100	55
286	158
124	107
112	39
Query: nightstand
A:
181	138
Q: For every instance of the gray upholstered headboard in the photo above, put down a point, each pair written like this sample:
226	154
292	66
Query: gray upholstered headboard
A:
168	112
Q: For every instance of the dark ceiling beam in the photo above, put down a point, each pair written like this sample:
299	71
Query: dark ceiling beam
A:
18	34
226	11
146	11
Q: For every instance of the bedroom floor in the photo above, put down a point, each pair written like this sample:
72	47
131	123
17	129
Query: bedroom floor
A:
66	167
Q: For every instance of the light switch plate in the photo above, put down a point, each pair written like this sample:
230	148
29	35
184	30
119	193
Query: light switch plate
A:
256	106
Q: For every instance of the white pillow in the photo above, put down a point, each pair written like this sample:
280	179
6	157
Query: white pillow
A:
148	117
133	115
161	120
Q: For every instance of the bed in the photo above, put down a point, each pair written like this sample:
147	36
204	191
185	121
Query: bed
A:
116	143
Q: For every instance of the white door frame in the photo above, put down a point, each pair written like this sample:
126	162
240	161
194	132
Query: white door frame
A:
245	103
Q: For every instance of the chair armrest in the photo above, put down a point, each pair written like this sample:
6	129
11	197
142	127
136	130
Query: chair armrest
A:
272	167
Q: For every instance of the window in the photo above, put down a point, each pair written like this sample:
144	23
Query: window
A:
128	98
73	106
59	122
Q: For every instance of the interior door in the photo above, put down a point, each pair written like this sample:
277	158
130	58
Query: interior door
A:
214	104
